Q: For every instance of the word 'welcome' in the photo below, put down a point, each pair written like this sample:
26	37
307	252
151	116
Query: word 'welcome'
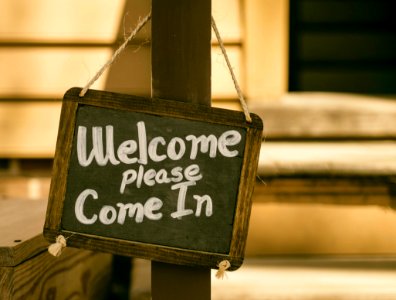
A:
157	149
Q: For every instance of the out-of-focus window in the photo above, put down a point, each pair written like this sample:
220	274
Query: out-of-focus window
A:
343	46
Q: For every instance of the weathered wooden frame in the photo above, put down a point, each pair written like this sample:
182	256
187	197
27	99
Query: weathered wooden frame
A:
173	109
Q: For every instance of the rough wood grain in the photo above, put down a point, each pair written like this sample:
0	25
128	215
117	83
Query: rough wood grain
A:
160	106
63	148
27	271
245	195
76	274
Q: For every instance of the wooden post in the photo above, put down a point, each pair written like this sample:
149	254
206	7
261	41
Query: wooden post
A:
181	68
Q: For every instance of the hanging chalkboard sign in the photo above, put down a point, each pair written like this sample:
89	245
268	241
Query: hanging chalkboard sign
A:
157	179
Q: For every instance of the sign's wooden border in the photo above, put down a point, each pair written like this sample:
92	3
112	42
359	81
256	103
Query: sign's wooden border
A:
173	109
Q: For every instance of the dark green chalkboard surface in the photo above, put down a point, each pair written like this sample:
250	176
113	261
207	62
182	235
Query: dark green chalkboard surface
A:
151	178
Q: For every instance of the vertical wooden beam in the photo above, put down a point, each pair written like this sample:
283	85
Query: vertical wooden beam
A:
181	32
181	68
173	282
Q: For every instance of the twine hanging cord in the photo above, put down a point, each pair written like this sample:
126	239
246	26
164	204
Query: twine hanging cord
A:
135	32
234	80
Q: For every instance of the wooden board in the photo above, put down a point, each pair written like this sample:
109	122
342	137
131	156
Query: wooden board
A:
21	224
77	274
159	173
330	189
326	115
359	158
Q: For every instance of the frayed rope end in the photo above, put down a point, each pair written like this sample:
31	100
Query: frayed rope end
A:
56	248
223	266
83	92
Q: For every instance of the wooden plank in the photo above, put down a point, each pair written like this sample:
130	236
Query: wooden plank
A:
21	224
26	268
364	158
5	279
327	190
64	143
314	115
76	274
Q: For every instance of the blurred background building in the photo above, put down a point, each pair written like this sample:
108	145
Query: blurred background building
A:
322	75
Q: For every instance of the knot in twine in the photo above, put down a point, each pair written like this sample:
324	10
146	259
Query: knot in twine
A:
56	248
223	266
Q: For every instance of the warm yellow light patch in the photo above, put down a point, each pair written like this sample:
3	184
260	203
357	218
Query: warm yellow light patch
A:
48	72
227	14
222	85
64	20
319	229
